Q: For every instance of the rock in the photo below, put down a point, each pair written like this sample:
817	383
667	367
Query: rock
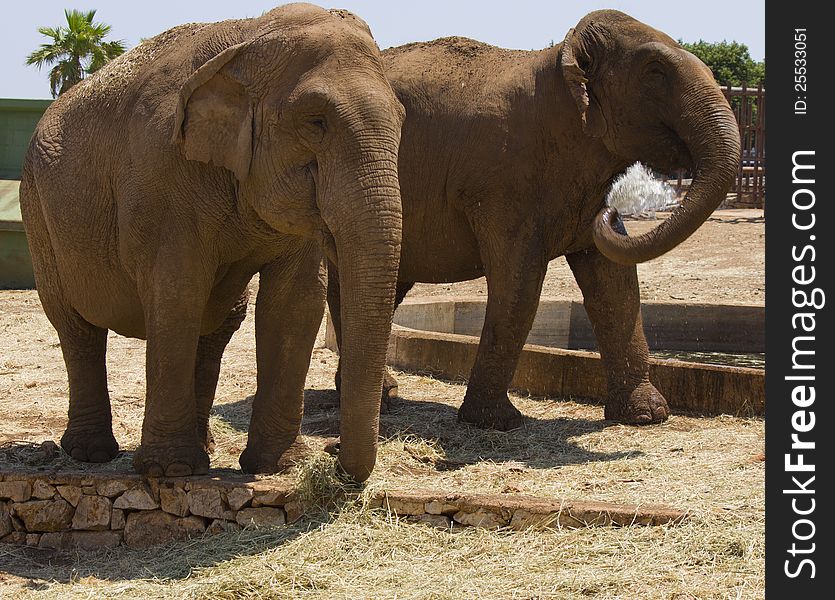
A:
439	521
70	493
45	515
17	491
524	519
222	526
89	490
270	498
136	499
153	527
15	537
152	485
264	516
54	540
117	519
207	502
17	524
480	518
42	490
83	540
112	488
6	526
174	500
92	512
294	510
402	506
47	451
438	507
32	539
238	498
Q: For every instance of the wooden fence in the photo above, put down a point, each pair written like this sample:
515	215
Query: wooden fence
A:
749	108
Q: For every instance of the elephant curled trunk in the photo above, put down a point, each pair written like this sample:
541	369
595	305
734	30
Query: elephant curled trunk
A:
709	130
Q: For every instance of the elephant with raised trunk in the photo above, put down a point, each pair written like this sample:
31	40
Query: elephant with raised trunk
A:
505	162
154	190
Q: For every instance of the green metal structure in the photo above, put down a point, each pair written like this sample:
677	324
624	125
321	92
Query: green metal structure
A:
18	119
17	122
15	261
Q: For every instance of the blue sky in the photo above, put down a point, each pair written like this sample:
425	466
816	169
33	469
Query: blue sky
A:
526	24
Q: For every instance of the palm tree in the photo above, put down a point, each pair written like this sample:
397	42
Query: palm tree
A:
75	51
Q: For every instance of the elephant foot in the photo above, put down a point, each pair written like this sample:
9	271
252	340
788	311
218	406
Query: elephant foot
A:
257	459
644	406
500	415
158	460
90	445
390	388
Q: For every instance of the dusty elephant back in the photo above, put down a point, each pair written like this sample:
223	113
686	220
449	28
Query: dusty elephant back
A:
455	70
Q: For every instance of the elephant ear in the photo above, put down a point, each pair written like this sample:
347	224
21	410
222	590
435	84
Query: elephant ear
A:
214	119
594	124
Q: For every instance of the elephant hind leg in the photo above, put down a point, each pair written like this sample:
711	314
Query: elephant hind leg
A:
210	350
515	268
612	300
390	385
89	434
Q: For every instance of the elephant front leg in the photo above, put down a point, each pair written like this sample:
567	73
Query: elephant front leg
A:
288	312
390	385
515	269
612	300
174	303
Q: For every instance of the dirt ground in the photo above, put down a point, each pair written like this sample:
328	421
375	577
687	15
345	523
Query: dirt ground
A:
722	263
709	466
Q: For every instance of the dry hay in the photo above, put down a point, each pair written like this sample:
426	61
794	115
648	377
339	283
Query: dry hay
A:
709	466
355	552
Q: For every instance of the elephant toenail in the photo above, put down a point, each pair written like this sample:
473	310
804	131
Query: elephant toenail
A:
154	470
178	469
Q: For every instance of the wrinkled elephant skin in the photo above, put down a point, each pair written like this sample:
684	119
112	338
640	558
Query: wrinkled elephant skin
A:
154	190
505	161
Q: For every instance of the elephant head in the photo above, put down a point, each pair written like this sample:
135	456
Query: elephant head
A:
646	98
303	117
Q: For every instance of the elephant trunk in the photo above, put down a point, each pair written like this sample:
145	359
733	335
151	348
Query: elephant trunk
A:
709	130
366	224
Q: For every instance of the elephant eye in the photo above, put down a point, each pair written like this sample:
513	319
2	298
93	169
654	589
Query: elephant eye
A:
655	68
313	129
319	122
654	73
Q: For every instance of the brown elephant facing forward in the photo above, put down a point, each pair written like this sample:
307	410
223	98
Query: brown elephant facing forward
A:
505	161
155	189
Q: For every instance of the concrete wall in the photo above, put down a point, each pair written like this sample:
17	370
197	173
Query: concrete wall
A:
441	337
688	387
564	324
18	119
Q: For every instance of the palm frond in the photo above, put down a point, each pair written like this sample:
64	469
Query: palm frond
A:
46	54
72	47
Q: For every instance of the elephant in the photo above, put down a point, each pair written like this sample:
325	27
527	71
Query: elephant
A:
154	190
505	161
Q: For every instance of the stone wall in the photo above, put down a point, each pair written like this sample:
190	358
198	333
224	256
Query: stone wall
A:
92	511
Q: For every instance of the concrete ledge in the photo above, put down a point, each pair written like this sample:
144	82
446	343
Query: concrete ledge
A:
564	324
91	511
440	337
688	387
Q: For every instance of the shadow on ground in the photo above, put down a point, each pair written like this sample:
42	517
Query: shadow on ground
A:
541	443
175	561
